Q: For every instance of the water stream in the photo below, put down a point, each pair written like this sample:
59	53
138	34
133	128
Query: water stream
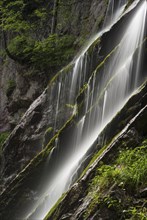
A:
107	91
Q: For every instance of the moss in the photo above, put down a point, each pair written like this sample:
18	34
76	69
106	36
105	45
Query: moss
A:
48	135
69	67
48	130
70	106
3	137
65	70
30	175
32	168
128	4
51	142
93	46
55	207
11	85
94	158
96	71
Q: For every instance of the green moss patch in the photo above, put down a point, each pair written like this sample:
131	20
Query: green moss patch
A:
11	85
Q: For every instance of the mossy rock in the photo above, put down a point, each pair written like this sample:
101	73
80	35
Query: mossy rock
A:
11	85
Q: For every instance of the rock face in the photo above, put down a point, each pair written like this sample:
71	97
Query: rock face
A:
30	135
83	202
19	86
30	144
17	93
130	133
80	21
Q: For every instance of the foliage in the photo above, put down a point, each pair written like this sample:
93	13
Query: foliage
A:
135	213
134	167
27	33
129	170
23	15
106	176
129	173
11	16
111	202
53	51
22	47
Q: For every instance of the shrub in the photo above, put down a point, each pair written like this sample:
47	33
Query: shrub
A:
129	170
52	52
128	173
134	167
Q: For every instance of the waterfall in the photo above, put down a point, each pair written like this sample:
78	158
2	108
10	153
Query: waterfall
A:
113	11
107	91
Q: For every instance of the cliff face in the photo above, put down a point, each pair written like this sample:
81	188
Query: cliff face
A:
102	190
113	186
23	81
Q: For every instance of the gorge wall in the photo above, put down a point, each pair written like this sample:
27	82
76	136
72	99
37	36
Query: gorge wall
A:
40	137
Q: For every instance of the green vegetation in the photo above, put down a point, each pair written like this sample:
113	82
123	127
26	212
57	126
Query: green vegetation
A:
11	85
130	170
55	206
70	106
30	40
127	174
53	51
50	129
3	137
49	53
133	167
128	4
94	158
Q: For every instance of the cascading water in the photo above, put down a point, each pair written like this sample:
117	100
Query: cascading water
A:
113	11
107	91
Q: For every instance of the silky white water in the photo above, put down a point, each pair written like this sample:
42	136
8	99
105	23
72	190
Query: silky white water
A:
106	94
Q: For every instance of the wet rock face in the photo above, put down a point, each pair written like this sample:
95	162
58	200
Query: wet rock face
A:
17	92
78	199
4	77
17	151
18	89
33	133
91	18
36	128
